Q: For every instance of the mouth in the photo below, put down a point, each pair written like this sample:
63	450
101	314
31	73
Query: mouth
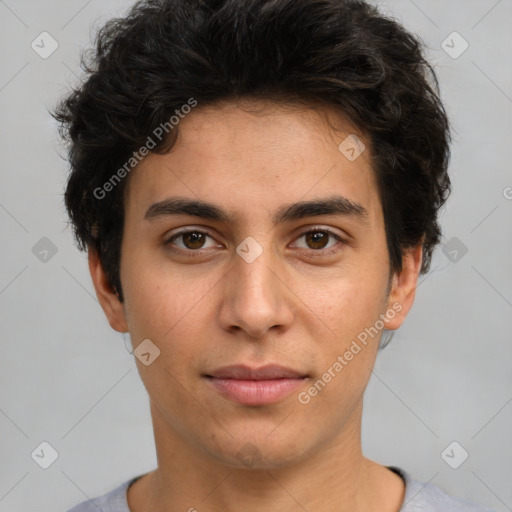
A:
255	386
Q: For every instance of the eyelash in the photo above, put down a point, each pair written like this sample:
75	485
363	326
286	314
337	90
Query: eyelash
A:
315	252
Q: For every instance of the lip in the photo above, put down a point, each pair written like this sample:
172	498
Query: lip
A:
244	372
255	386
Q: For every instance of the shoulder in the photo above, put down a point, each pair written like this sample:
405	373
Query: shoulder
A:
426	497
112	501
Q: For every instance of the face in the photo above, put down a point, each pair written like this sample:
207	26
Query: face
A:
282	260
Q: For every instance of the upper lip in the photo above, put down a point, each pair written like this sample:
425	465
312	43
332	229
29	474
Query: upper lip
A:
244	372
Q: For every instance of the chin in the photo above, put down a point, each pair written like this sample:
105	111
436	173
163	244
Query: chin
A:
260	455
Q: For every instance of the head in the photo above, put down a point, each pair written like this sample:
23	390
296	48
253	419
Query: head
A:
303	147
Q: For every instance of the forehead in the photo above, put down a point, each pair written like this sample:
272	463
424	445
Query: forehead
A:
256	155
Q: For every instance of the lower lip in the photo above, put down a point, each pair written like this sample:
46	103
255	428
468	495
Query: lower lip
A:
255	392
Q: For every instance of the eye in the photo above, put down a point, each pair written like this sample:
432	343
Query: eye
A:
191	240
318	240
321	240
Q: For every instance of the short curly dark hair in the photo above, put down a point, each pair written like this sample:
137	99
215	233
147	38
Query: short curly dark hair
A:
343	53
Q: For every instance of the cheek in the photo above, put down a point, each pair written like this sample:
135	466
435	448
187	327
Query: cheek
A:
170	311
348	347
348	310
348	302
161	297
173	312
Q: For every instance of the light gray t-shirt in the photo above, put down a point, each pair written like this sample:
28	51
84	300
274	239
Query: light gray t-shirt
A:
419	497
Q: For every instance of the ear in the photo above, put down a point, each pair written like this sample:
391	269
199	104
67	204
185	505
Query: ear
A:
109	301
403	287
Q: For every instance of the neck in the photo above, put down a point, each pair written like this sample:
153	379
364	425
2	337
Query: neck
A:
335	477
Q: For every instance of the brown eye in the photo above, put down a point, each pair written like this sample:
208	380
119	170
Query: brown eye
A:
317	239
190	240
321	241
193	240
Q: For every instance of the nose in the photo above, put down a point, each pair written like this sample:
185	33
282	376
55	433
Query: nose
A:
256	297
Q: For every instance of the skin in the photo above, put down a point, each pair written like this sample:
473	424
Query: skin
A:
295	305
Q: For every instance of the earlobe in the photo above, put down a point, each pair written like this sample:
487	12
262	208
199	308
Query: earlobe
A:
109	300
403	288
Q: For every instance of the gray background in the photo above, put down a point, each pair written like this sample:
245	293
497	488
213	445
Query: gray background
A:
69	380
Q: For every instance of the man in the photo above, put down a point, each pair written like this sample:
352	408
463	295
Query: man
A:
257	186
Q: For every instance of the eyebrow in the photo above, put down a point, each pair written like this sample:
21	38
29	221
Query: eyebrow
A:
332	205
